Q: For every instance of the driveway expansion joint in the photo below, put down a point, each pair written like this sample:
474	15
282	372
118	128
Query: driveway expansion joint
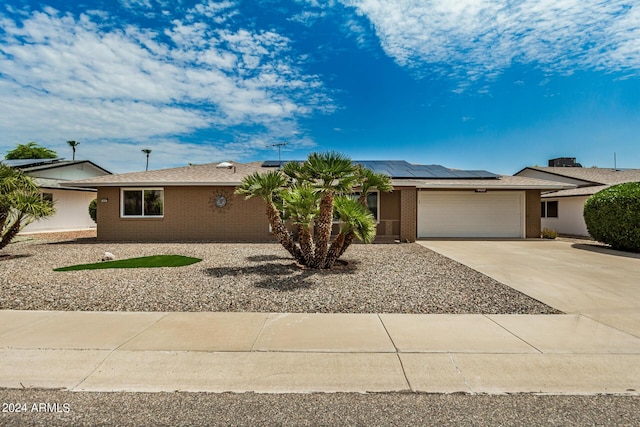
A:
513	334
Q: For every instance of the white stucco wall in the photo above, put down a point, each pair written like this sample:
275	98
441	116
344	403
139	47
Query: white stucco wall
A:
570	218
71	212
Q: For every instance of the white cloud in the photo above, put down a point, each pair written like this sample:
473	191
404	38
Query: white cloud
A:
307	17
218	11
67	77
485	36
136	4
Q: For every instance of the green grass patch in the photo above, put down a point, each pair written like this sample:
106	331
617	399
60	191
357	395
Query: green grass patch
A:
153	261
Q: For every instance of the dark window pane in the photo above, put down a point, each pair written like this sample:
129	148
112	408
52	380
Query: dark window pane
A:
372	204
132	202
47	197
552	209
543	211
153	205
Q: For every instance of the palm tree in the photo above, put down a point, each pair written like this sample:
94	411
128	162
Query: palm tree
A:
268	186
73	145
20	203
306	195
147	152
356	220
330	173
302	204
369	182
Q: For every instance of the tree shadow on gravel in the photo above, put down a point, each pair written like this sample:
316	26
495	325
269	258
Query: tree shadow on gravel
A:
270	269
7	257
281	277
264	258
287	283
78	241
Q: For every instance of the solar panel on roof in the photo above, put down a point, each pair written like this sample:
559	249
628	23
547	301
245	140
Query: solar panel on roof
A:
30	162
402	169
271	164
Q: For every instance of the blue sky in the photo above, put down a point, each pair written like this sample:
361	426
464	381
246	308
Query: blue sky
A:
469	84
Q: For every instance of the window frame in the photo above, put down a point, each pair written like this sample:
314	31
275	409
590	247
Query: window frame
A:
557	209
544	211
141	190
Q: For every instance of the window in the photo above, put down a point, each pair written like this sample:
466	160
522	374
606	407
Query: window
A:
48	197
372	204
552	209
143	202
549	209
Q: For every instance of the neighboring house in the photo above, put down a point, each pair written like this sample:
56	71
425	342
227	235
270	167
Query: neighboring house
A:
198	203
71	203
563	210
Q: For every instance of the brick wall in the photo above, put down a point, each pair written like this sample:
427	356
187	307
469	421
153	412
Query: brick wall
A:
408	214
533	228
189	214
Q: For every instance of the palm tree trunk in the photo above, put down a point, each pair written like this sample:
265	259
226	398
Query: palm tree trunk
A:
350	236
282	234
323	227
348	239
335	250
306	245
9	233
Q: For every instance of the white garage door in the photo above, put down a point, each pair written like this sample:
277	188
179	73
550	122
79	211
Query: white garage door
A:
470	214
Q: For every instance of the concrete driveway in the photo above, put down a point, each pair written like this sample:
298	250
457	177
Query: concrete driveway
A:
573	277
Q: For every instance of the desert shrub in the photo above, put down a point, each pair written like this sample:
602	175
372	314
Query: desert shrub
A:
93	210
549	233
613	216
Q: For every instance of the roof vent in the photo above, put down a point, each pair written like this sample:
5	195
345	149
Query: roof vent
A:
225	165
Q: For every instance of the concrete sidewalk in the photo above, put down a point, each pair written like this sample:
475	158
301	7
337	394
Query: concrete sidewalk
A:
268	352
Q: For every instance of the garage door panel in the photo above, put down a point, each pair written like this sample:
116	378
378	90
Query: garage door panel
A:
467	214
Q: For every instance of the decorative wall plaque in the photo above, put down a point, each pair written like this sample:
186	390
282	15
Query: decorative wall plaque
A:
220	201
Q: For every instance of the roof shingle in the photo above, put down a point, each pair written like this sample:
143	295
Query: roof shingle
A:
595	175
207	174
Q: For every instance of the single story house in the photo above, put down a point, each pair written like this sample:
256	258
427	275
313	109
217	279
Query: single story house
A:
563	210
71	203
198	203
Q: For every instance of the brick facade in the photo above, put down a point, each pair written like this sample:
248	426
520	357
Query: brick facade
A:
408	214
190	214
532	217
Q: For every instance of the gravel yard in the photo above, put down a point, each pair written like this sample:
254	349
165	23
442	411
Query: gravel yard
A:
391	278
343	409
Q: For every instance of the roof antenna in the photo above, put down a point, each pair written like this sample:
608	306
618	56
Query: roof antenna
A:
280	145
